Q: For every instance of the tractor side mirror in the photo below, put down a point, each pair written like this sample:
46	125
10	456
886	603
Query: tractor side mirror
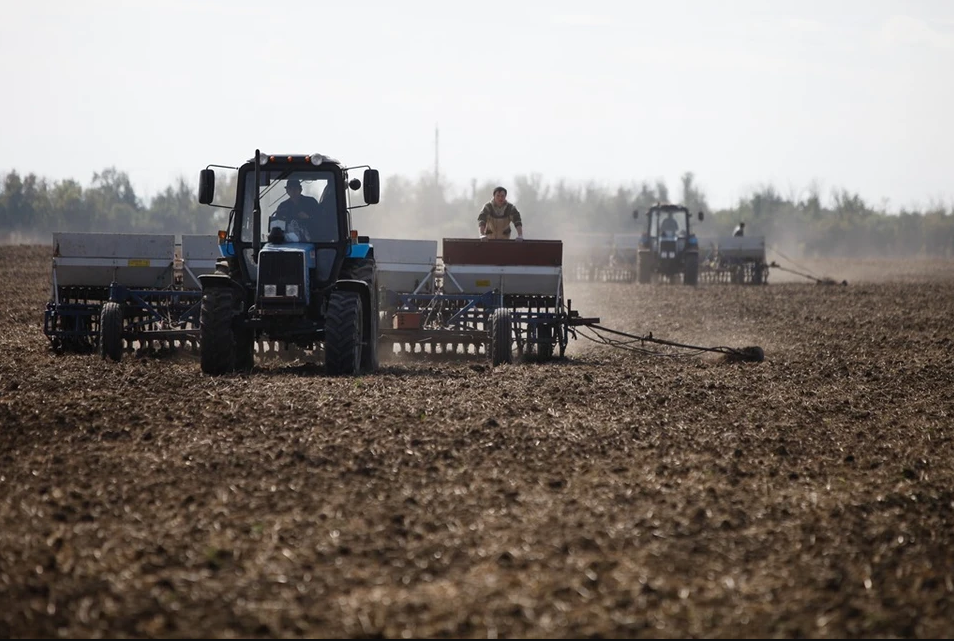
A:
635	213
354	184
372	186
206	186
701	215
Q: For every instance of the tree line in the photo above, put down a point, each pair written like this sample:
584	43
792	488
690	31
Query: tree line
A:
810	224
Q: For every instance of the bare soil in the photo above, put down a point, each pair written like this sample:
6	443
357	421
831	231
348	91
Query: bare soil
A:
612	493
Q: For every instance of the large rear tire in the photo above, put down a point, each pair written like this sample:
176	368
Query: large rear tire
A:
370	360
365	269
216	336
644	267
111	331
501	337
691	273
343	353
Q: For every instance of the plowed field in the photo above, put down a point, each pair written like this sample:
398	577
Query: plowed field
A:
609	494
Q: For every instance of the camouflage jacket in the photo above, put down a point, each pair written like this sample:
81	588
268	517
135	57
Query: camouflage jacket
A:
498	226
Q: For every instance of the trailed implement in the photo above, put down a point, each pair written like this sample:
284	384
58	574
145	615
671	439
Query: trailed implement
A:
500	299
738	260
120	292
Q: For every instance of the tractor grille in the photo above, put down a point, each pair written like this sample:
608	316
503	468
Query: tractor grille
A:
667	249
280	269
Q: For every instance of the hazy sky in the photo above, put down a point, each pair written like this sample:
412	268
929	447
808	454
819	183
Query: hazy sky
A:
843	93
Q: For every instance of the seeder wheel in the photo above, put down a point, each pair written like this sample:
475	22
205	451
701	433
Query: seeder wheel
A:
501	337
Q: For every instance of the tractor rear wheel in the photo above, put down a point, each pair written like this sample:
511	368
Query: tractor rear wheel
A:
644	267
501	337
370	359
365	269
216	336
691	273
111	331
343	334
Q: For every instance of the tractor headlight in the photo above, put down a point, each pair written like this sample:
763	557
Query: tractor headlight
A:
270	290
291	290
317	159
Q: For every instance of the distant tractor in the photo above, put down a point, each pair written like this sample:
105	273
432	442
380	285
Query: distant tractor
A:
668	249
291	273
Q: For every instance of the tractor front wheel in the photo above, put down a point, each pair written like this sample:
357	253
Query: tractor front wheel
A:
343	334
216	336
644	267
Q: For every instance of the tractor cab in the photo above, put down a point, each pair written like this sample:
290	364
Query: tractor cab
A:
667	221
288	203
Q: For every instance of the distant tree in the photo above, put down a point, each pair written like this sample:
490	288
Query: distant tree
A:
177	210
850	205
531	195
692	197
114	201
812	204
71	212
429	207
766	202
622	207
116	186
649	196
12	202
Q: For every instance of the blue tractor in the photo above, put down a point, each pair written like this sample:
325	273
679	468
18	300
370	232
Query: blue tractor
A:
293	271
668	249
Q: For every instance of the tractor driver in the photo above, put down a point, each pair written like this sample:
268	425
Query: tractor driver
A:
296	212
669	225
495	218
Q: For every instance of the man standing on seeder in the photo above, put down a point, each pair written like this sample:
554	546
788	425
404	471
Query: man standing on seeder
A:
495	218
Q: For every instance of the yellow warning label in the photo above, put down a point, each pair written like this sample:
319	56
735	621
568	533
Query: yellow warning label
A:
483	283
138	262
